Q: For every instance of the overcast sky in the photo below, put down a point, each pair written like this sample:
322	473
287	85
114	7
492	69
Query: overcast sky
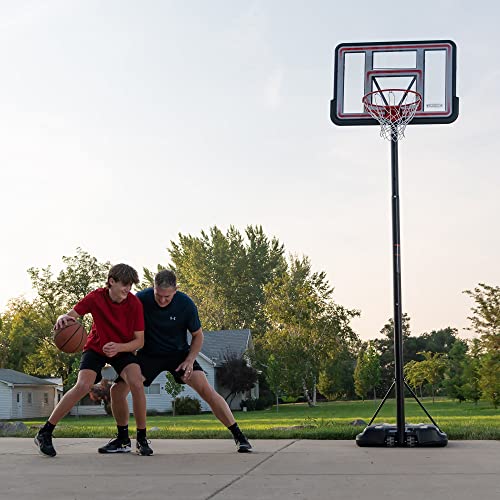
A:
124	123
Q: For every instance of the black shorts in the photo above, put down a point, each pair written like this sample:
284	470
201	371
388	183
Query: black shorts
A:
92	360
153	365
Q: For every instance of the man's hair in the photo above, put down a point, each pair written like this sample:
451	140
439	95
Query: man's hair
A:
165	279
124	274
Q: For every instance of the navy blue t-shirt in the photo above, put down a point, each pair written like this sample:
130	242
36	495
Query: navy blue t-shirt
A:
166	327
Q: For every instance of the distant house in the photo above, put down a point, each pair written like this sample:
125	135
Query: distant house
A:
24	396
211	357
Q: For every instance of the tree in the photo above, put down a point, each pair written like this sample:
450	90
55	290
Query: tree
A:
22	328
485	321
367	372
454	375
336	378
55	295
433	368
385	348
225	274
306	327
174	389
274	375
236	375
414	375
472	372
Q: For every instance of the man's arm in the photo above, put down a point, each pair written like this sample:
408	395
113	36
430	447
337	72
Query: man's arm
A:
113	348
196	345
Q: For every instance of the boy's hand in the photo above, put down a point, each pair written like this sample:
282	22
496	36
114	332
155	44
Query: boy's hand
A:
63	320
111	349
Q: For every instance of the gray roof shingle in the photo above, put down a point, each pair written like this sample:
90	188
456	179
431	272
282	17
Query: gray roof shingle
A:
217	343
18	378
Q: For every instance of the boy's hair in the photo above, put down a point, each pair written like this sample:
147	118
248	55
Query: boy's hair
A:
165	279
124	274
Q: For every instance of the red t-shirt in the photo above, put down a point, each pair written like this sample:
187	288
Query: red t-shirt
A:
113	322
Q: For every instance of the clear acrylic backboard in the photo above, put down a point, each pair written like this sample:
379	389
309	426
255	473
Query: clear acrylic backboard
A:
426	67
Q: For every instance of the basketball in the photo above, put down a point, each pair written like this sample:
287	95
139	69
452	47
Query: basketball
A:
70	338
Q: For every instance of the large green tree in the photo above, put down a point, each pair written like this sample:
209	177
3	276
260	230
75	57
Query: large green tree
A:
225	274
306	327
385	349
336	378
367	372
56	294
485	321
454	379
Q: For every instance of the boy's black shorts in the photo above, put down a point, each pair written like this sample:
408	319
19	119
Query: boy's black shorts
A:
153	364
92	360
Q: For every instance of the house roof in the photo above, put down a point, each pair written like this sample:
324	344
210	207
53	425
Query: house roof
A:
218	343
17	378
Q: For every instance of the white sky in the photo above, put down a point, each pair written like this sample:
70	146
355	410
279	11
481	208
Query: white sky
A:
123	123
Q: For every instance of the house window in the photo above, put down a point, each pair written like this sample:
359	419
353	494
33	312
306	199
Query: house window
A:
59	396
30	398
152	389
45	398
18	397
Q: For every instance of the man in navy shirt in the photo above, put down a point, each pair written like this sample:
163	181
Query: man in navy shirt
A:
168	316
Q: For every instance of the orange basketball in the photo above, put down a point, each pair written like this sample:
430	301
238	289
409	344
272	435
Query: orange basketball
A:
71	338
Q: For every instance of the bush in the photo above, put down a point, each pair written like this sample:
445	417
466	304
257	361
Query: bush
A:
152	412
187	406
267	397
253	404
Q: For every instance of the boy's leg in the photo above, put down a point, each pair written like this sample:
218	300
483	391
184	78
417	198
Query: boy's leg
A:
133	377
198	381
119	406
86	379
43	439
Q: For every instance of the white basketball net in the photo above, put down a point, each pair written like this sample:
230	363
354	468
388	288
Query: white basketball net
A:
393	109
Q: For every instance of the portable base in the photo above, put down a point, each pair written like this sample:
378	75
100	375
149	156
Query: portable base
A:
415	435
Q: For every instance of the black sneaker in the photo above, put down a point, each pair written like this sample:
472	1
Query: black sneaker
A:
142	447
43	441
116	445
242	444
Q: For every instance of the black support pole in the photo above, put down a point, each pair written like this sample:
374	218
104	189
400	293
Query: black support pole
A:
398	316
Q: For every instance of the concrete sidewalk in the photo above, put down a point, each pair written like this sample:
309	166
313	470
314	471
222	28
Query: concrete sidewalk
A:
280	469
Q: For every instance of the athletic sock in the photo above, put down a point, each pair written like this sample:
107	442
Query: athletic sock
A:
48	428
235	431
141	433
122	432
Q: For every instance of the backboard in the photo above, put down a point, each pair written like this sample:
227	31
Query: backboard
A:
426	67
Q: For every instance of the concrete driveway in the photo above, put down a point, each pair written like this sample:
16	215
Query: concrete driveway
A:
278	469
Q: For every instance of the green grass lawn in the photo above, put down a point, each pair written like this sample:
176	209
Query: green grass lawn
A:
325	421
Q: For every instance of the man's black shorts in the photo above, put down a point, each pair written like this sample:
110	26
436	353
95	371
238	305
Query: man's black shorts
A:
153	365
92	360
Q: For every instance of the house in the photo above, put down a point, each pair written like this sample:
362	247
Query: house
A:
24	396
215	346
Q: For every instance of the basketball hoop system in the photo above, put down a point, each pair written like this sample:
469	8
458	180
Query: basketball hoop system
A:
393	84
393	109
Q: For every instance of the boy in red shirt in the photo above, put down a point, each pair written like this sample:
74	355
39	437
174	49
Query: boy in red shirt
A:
117	332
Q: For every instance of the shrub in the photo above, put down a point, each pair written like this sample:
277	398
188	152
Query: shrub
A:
253	404
187	406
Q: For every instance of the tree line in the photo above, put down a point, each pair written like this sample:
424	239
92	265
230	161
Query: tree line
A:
304	341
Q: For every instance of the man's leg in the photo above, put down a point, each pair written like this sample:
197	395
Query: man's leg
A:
43	439
134	379
198	381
